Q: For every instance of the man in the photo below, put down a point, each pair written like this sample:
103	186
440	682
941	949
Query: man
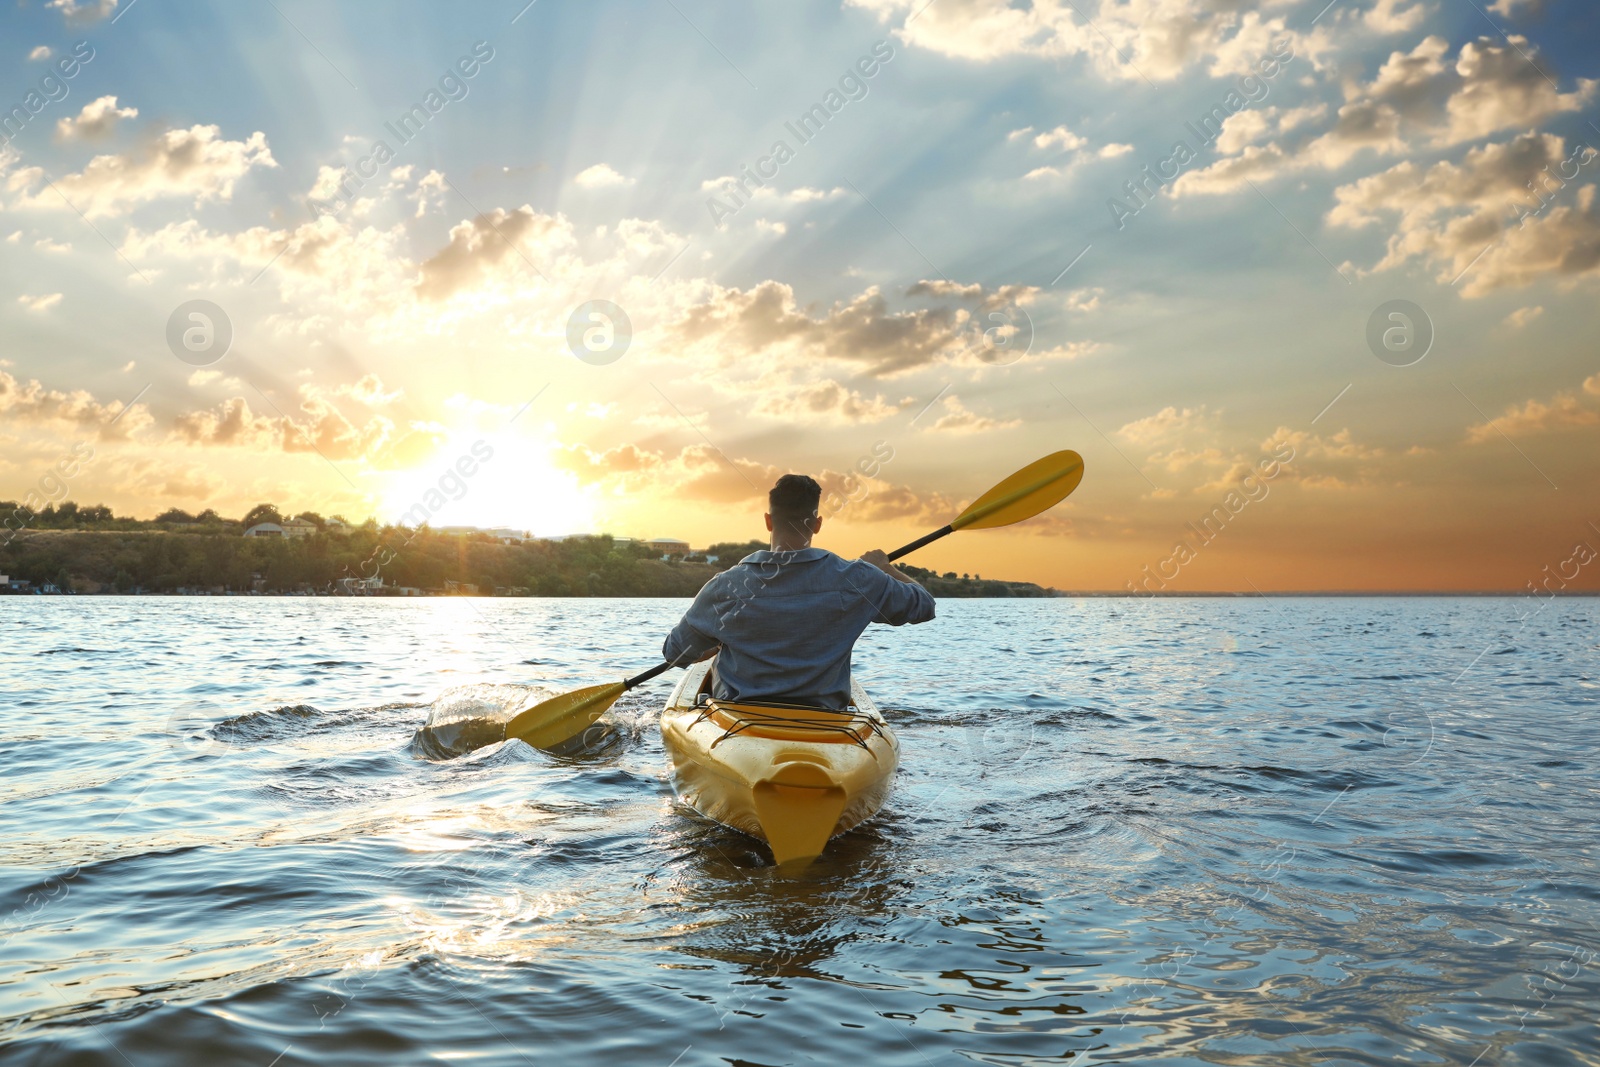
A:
785	620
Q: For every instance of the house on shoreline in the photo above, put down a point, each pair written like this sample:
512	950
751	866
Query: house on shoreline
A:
668	546
288	528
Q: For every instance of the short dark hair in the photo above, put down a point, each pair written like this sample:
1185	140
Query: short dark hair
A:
794	499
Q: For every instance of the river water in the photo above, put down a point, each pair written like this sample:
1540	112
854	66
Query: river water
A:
1264	831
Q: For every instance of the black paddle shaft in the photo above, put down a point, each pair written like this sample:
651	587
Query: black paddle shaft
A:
660	668
919	542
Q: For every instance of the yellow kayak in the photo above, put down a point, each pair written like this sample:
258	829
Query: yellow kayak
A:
791	776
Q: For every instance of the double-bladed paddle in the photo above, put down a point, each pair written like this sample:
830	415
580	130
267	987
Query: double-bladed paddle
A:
1036	488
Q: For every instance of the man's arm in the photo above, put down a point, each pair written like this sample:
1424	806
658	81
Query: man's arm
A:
903	600
880	559
696	637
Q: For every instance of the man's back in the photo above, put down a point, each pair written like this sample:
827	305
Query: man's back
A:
787	621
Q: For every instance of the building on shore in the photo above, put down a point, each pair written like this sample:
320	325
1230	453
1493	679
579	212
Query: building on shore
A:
668	546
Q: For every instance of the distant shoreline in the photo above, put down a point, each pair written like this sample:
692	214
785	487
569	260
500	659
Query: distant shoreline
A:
1046	594
213	559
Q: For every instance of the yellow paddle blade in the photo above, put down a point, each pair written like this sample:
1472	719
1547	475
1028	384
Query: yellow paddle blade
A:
561	718
1039	486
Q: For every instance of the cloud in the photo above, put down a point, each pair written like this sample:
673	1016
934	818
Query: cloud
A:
1416	97
1562	411
230	423
32	402
1166	424
195	163
339	274
478	246
1335	462
1125	40
728	185
1522	316
1460	218
1061	139
825	401
40	303
1340	446
369	390
186	481
986	299
957	419
601	176
323	429
374	275
1084	300
734	325
863	331
329	179
1509	8
41	53
1502	87
1386	16
700	472
96	121
1064	141
614	463
431	190
83	12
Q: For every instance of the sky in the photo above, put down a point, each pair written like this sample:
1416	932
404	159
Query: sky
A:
1309	285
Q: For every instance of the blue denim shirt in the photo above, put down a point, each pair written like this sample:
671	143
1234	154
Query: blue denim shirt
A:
787	621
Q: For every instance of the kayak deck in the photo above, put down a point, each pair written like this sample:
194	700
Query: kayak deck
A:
791	776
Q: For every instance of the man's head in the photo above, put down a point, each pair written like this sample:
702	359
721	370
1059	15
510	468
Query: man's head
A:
792	511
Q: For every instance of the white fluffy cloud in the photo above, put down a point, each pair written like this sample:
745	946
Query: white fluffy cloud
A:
321	427
479	246
825	401
601	176
196	163
1063	142
1168	424
1461	218
1562	411
97	119
1124	39
957	419
82	12
32	402
1420	96
40	303
699	472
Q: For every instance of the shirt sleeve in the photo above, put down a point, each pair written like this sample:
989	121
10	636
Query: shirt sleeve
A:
895	603
697	633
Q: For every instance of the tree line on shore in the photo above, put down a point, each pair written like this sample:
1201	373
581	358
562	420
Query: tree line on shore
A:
88	550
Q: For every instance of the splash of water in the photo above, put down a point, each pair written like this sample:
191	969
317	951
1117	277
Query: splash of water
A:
469	717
